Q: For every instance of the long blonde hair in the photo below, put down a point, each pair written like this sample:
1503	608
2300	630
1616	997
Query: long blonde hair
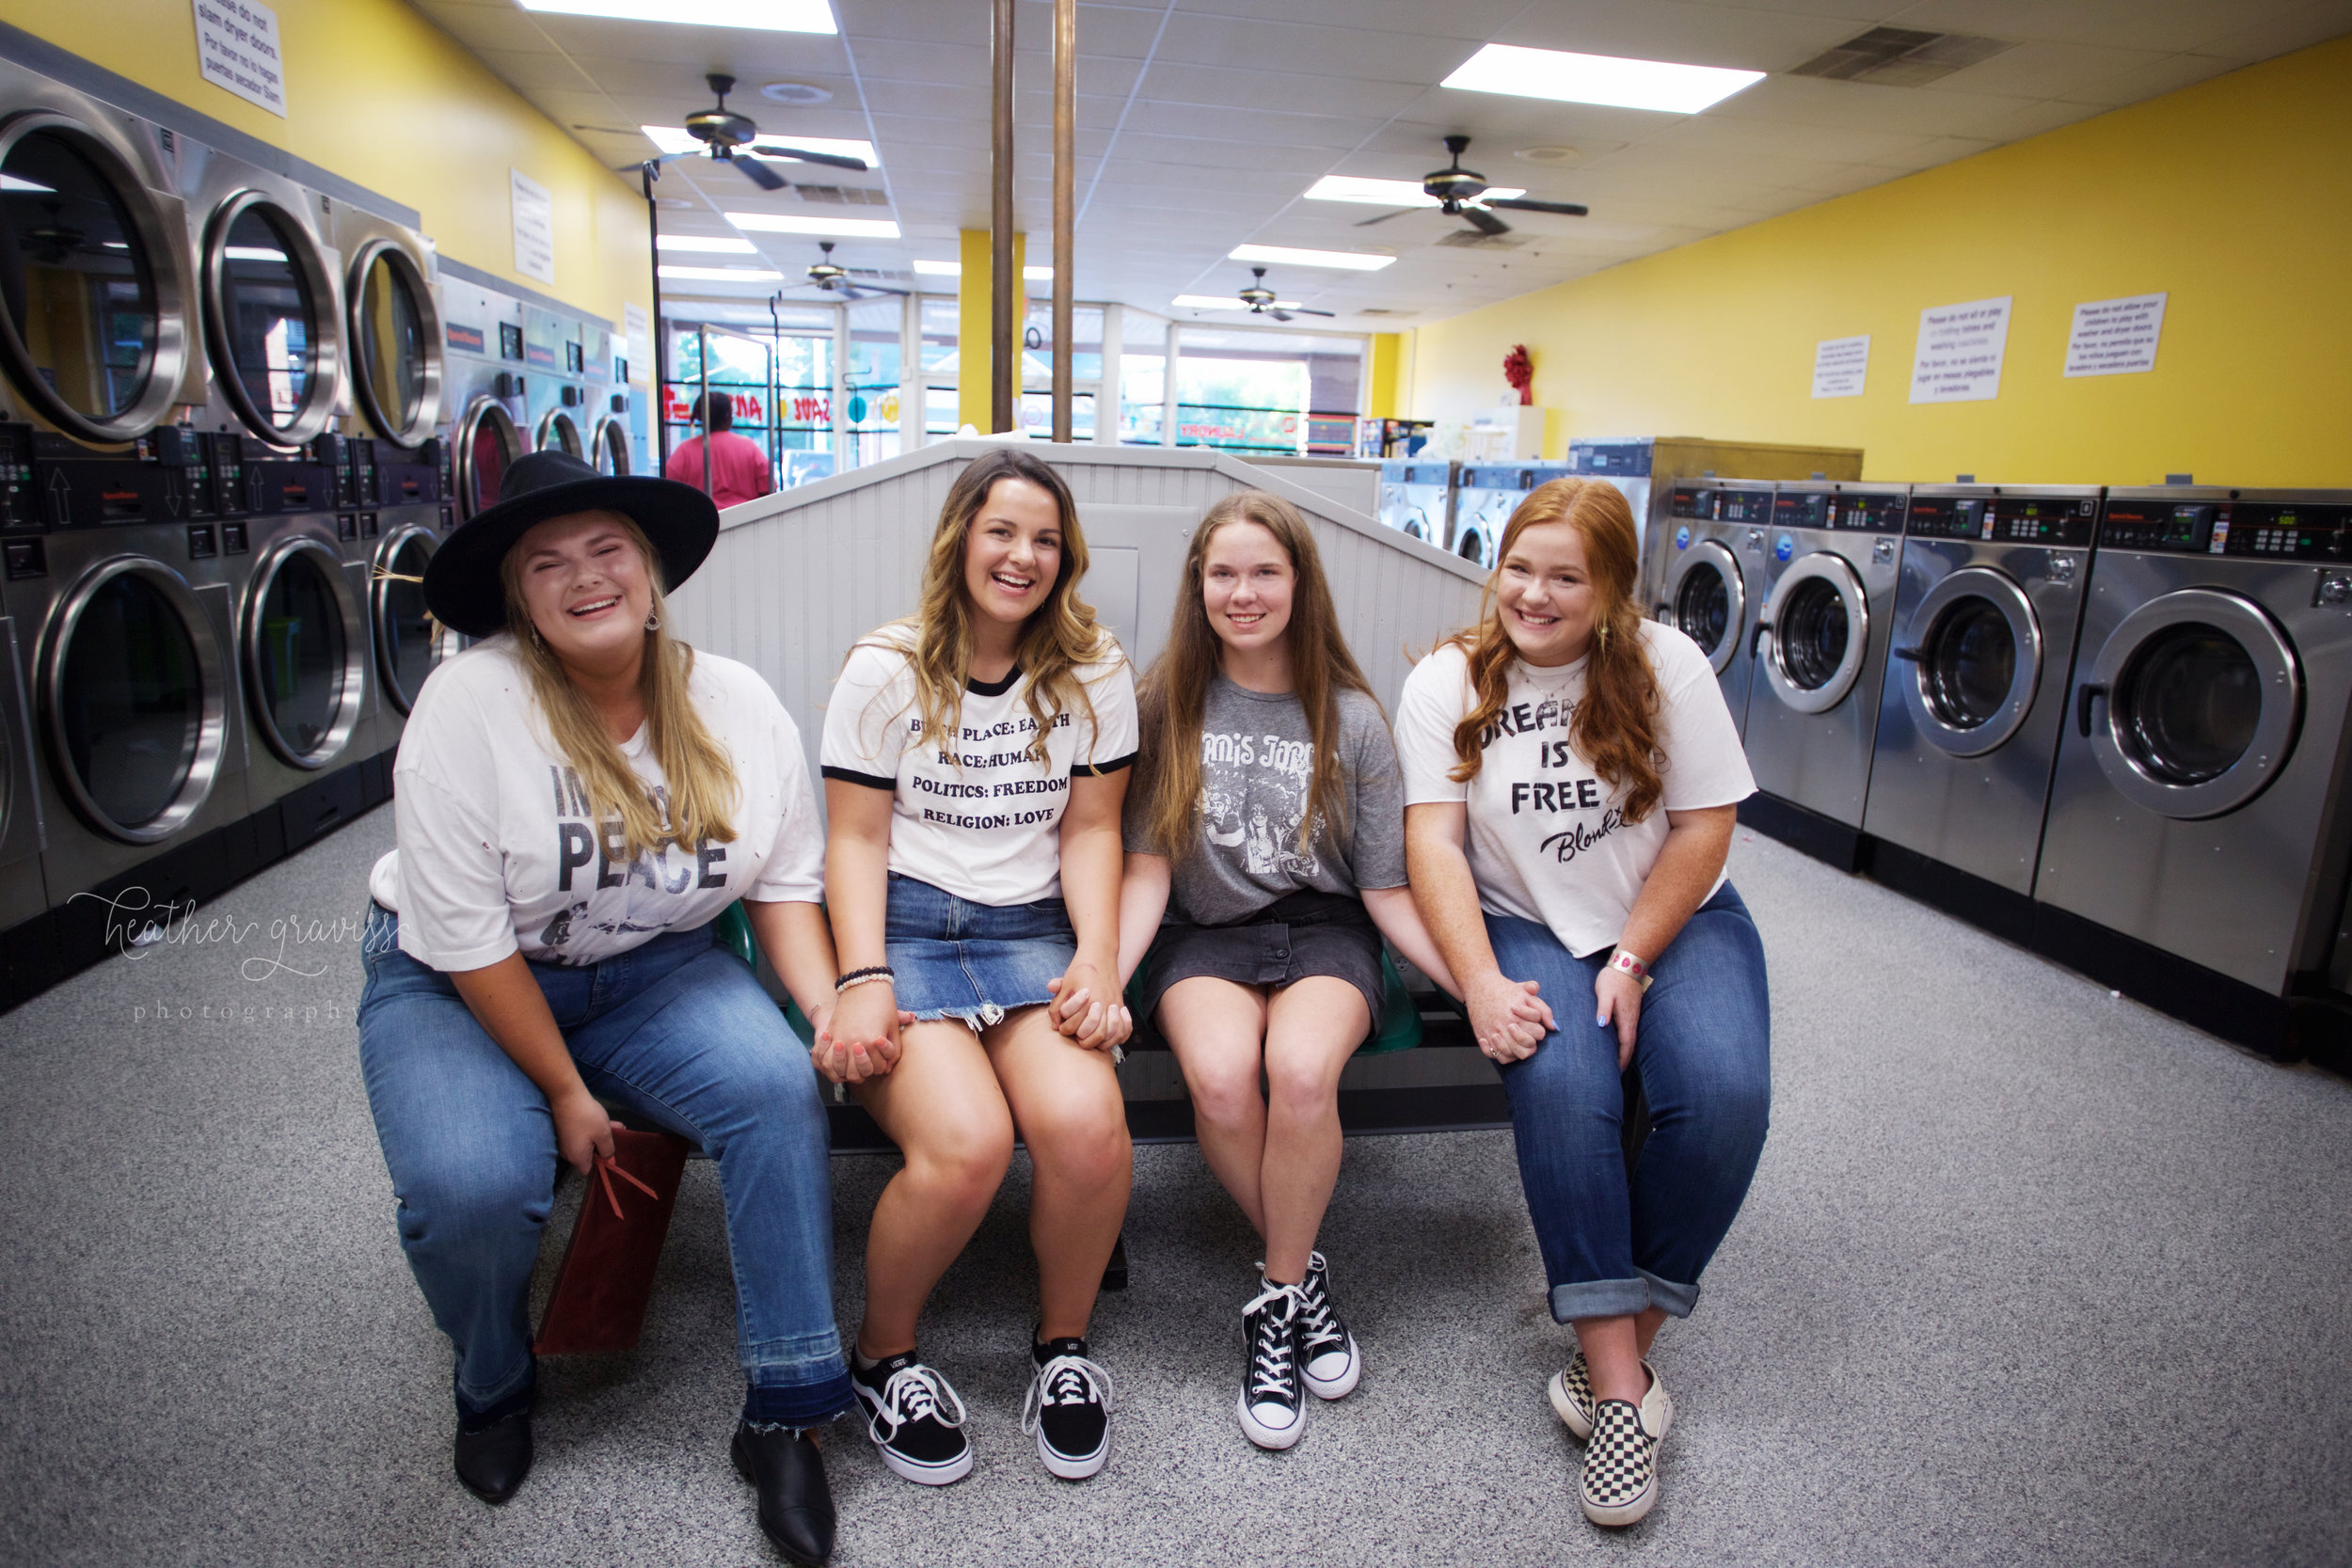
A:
1173	693
1059	636
1615	727
699	780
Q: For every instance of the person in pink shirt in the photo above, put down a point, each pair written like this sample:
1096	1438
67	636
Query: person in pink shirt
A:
739	470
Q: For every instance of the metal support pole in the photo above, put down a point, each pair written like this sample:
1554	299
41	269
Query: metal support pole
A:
1065	209
1003	288
1107	412
647	173
842	436
702	355
1167	388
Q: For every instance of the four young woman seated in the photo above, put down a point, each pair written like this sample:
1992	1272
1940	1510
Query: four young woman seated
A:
1016	846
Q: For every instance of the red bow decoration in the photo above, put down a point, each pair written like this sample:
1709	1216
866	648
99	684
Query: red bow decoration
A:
1520	371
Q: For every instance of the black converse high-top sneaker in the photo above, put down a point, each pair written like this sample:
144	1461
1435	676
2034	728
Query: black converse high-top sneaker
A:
908	1415
1069	1408
1619	1483
1329	1360
1273	1402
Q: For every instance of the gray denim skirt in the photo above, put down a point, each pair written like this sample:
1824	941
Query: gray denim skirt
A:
1299	934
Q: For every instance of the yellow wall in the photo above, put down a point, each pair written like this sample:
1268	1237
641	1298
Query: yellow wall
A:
2234	197
1380	399
376	93
976	315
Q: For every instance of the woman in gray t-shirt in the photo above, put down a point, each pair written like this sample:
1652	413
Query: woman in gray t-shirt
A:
1265	821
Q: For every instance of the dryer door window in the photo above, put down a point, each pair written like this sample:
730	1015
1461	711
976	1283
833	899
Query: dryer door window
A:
1971	661
396	340
558	432
1707	602
302	642
131	685
272	329
2203	697
487	444
1821	623
405	646
611	444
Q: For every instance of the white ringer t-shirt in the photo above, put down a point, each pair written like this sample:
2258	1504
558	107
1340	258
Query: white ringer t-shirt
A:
498	852
981	820
1547	840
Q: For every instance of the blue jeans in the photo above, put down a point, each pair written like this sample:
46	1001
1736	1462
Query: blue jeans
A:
1704	1051
681	1035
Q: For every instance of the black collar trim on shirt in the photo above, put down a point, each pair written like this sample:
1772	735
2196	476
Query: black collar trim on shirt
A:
992	688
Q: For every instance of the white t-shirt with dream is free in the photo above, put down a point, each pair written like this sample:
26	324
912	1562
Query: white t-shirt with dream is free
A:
1547	840
981	820
497	848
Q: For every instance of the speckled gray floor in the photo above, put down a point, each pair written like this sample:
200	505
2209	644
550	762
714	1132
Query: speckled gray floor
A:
2030	1275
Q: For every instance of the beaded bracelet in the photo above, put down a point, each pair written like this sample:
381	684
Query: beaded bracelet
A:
860	976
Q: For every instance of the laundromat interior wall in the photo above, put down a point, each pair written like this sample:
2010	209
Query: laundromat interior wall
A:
2234	197
425	124
797	577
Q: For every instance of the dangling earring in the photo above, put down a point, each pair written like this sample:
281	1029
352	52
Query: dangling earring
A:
1601	633
653	622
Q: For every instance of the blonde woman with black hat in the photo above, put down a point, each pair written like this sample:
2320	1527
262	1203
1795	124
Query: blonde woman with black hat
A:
578	797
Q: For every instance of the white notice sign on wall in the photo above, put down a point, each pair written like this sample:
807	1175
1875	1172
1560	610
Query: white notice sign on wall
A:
635	338
236	48
1839	365
1959	358
535	227
2116	337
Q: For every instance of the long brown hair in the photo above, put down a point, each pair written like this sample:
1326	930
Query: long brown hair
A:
698	776
1174	691
1059	636
1615	727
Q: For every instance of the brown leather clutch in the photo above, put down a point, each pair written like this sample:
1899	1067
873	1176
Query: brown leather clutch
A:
606	1281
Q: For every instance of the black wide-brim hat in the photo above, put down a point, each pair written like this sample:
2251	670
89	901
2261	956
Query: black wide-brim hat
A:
462	584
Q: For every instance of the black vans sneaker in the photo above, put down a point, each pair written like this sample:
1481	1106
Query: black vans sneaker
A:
1619	1481
1273	1402
907	1415
1329	1360
1069	1408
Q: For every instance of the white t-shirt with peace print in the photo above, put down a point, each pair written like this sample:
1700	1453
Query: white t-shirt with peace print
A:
498	850
1547	840
981	820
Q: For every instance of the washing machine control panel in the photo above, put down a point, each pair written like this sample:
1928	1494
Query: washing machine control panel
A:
2282	532
1847	511
2063	520
1692	500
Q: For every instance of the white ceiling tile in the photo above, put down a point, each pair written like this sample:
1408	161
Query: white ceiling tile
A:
1457	19
1930	153
2048	69
1246	45
2250	39
1217	87
481	27
1679	30
1772	138
1810	101
2166	25
1255	125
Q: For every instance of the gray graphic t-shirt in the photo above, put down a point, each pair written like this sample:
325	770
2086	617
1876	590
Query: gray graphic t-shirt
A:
1256	765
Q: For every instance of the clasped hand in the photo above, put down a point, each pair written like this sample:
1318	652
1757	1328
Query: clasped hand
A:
1507	1018
1087	1006
857	1038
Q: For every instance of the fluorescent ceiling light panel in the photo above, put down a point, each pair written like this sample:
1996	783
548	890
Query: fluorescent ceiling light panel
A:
18	182
769	16
955	269
721	275
674	138
1223	302
1383	192
1619	84
253	253
704	242
848	228
1352	260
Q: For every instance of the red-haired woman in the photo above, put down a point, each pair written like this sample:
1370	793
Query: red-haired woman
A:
1571	776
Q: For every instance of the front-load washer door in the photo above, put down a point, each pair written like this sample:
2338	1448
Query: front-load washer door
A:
1970	662
134	697
304	653
487	445
407	641
2202	697
271	320
558	432
1706	600
610	443
1819	627
395	343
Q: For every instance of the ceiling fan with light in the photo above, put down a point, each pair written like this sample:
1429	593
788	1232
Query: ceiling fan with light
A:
1262	301
725	133
1461	193
829	277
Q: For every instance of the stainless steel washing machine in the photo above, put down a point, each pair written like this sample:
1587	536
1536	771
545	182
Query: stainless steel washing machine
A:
302	653
2193	854
1984	627
488	386
394	330
1417	498
558	431
607	443
1820	642
1489	493
271	291
1713	582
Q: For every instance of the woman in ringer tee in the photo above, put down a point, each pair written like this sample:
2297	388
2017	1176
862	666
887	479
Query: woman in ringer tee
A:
975	757
1571	776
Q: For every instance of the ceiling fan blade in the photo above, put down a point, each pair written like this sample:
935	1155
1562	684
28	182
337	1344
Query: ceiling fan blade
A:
1384	217
1484	221
760	174
870	290
830	160
1521	204
1304	311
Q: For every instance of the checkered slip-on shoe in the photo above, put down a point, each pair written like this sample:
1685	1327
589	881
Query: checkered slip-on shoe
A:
1572	1399
1619	1483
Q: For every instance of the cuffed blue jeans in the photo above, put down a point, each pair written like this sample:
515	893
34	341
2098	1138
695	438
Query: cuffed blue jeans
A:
680	1034
1612	1246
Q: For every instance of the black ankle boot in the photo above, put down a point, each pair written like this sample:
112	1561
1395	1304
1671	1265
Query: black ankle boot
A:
795	1505
492	1461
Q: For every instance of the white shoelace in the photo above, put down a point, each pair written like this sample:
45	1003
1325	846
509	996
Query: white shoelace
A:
1270	1350
1317	1322
912	1393
1065	1380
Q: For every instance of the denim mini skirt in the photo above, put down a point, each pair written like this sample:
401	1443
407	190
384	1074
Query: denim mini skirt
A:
950	958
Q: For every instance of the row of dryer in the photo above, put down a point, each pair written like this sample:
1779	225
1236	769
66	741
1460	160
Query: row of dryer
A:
2107	723
239	412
